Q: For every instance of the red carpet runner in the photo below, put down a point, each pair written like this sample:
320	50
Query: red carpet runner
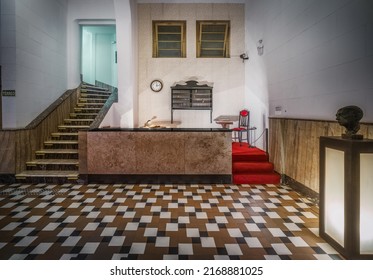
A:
251	166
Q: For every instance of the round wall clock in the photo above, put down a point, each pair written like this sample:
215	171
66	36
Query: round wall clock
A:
156	85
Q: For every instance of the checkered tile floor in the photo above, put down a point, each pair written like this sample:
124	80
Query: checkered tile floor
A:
158	222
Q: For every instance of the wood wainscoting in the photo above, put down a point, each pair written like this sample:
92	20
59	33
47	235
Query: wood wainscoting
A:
1	109
294	147
19	145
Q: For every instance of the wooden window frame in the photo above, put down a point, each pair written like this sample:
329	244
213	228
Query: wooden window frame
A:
156	49
226	45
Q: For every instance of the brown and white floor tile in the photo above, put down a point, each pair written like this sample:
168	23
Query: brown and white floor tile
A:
158	222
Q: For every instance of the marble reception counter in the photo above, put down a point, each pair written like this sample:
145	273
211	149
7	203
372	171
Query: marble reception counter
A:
167	155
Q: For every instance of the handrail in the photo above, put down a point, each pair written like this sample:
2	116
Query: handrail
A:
43	115
104	110
46	113
106	107
19	144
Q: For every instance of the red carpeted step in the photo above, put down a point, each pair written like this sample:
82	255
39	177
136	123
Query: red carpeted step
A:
244	153
252	167
267	178
253	158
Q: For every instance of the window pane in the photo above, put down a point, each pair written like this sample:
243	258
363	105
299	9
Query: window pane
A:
169	45
213	28
212	53
212	45
213	36
169	53
169	37
169	29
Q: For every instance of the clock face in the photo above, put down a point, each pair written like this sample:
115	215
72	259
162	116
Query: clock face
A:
156	85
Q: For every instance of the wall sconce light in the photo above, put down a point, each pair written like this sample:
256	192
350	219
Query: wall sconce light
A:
260	47
346	195
244	57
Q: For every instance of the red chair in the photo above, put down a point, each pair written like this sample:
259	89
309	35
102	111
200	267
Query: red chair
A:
243	126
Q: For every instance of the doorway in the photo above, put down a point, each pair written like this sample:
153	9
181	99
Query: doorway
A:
99	54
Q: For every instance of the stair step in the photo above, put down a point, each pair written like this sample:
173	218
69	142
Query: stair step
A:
88	85
61	142
73	127
36	162
81	109
92	100
268	178
75	115
244	153
89	104
90	95
94	90
59	134
57	151
253	157
252	167
68	174
78	120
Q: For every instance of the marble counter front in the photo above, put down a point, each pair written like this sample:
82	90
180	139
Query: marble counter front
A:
156	156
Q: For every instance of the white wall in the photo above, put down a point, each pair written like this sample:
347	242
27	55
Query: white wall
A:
39	72
126	109
8	61
318	55
106	11
84	12
256	80
227	74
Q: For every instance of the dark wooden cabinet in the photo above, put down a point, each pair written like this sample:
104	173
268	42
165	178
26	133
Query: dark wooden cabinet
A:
191	96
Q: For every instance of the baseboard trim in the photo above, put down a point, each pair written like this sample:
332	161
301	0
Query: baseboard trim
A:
155	179
302	189
7	179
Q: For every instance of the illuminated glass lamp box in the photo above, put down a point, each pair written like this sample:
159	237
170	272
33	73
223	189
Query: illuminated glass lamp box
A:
346	193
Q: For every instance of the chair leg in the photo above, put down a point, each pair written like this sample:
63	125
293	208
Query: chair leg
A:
240	137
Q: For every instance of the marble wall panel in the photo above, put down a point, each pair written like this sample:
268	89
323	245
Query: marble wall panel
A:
160	152
208	153
111	153
83	164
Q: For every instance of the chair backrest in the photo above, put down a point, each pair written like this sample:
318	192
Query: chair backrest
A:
244	118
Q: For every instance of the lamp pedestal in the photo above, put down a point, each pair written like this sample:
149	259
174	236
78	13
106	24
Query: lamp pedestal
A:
346	195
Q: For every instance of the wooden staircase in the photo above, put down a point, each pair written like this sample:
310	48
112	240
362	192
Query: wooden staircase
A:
58	160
